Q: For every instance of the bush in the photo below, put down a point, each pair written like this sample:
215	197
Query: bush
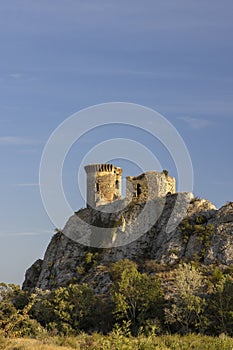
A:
220	306
15	317
67	309
120	266
186	306
137	297
200	229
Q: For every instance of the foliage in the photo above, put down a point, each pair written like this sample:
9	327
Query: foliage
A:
217	275
186	308
68	308
15	312
220	306
192	298
91	260
120	266
137	297
201	229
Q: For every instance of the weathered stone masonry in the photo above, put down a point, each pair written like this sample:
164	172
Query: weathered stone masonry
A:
149	185
104	185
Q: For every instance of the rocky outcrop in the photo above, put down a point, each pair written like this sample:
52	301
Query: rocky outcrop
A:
32	275
221	247
166	230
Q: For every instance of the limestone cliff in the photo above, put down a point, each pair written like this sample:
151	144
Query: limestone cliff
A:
166	230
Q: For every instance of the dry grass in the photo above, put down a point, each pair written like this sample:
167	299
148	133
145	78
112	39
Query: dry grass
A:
116	342
31	344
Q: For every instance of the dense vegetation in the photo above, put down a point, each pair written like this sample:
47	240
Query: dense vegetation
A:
147	301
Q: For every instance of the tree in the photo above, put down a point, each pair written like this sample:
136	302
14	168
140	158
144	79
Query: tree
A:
69	307
186	309
137	297
15	307
220	306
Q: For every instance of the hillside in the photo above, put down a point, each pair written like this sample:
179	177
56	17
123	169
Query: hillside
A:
137	231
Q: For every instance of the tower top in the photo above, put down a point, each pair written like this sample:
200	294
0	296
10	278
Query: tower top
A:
96	168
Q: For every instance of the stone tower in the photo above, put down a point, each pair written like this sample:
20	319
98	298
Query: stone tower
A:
103	184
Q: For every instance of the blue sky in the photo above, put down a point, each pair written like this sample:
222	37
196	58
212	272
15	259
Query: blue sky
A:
59	56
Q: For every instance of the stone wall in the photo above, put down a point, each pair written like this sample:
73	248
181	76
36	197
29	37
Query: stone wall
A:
149	185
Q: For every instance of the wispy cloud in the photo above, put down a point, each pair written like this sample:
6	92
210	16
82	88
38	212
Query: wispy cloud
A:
15	75
27	233
196	123
26	184
14	140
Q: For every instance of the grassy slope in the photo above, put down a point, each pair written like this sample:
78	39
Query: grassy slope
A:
118	342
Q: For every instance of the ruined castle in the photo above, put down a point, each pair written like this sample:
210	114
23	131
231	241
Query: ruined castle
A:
104	185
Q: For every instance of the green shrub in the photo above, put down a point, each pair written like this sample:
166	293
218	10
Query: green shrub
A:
137	296
185	311
116	269
201	229
220	306
65	310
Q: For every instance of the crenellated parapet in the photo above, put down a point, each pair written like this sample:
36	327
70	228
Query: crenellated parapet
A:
95	168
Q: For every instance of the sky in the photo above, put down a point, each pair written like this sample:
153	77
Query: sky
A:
61	56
